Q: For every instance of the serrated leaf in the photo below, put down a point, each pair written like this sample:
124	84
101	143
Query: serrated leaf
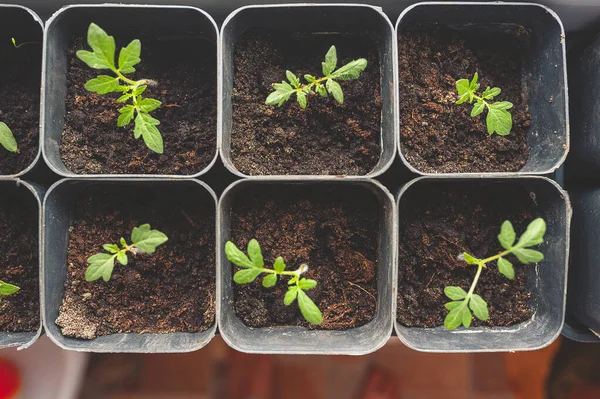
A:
526	256
301	97
103	47
292	79
453	305
139	90
269	281
533	235
310	78
506	268
466	317
100	265
149	104
321	90
146	239
502	105
290	295
350	71
335	89
112	248
149	119
479	307
330	61
123	242
279	265
124	98
473	85
507	235
7	139
463	98
93	60
130	56
7	289
454	318
103	84
470	259
255	254
283	92
246	275
127	114
307	284
236	256
122	258
462	87
498	121
309	310
455	293
149	132
489	94
477	109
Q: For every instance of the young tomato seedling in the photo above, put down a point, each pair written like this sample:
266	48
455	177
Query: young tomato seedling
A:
463	301
145	241
254	266
322	86
498	119
103	57
7	289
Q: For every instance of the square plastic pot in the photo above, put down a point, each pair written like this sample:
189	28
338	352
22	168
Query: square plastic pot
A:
58	211
315	18
24	339
166	21
548	293
299	340
26	26
544	70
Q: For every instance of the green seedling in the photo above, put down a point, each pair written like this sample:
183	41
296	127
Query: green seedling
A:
254	265
7	289
321	86
7	139
103	57
463	301
498	119
145	241
14	43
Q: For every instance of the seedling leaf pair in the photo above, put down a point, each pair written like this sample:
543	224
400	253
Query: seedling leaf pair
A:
253	266
103	57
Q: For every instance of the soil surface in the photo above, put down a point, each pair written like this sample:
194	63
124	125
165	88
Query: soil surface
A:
187	88
19	263
172	290
334	231
439	136
438	222
20	76
324	139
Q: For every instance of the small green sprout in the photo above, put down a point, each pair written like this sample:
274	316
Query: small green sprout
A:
498	119
7	139
103	57
7	289
462	301
14	43
284	90
144	240
254	266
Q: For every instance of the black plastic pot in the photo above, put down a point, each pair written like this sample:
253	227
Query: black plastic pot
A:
22	23
25	339
544	69
548	291
299	340
58	209
312	18
166	21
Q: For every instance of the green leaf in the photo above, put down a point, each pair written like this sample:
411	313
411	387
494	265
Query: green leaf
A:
454	318
506	268
7	289
290	295
301	97
335	89
473	85
310	78
269	280
103	84
147	240
307	284
103	46
255	254
471	260
283	92
122	258
100	265
489	94
463	98
246	275
130	56
236	256
149	132
112	248
454	304
93	60
466	317
123	242
149	104
533	235
124	97
455	293
7	139
462	87
479	307
279	265
477	109
321	90
350	71
507	235
126	116
330	61
309	310
149	119
295	82
139	90
528	255
502	105
498	120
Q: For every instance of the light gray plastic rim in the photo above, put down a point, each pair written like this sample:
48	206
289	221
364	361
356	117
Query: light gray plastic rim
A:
211	331
441	178
39	151
44	94
486	174
226	159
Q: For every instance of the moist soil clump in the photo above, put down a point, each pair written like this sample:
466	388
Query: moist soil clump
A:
19	265
436	134
438	222
172	290
326	138
187	87
334	231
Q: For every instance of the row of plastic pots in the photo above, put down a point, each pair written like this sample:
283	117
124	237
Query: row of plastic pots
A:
547	281
544	63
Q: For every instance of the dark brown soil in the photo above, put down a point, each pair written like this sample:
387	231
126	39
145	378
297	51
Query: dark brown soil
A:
439	136
334	231
20	75
324	139
170	291
187	81
438	222
19	263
